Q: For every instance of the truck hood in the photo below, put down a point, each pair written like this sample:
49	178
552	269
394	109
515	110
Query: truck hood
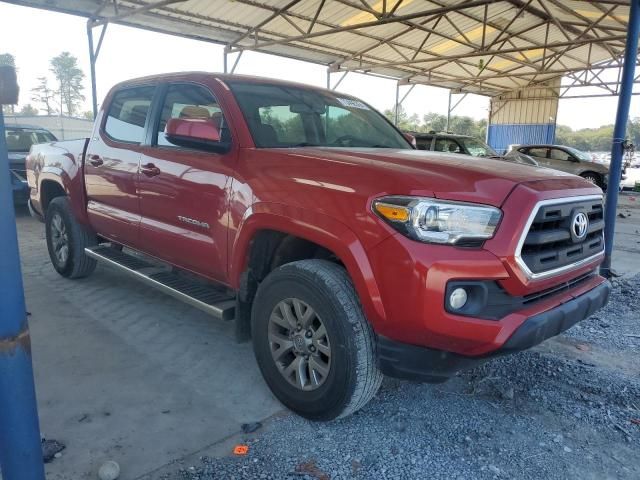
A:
418	172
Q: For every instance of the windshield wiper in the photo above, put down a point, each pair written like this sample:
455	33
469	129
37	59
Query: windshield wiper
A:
303	144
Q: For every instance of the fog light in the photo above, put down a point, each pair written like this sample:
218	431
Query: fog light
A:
458	298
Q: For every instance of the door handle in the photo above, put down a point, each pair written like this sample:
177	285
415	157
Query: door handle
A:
95	160
150	170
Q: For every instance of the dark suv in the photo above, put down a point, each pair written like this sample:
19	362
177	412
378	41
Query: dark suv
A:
19	140
464	144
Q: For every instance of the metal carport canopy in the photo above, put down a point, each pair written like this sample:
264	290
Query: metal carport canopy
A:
486	47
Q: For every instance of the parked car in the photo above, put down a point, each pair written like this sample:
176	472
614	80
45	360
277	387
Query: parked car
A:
465	144
307	217
568	159
19	140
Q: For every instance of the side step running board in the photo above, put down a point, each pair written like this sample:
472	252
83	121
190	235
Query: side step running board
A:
202	296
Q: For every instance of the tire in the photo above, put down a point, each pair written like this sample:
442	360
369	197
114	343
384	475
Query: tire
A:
593	178
338	384
64	232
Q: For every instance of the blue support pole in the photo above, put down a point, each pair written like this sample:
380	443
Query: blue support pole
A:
619	132
20	445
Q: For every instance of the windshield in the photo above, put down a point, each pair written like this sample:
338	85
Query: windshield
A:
579	154
283	117
21	139
479	149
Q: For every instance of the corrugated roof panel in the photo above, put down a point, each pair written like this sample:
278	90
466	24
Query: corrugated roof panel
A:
386	42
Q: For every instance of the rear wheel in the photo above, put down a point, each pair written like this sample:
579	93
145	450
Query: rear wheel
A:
67	239
593	178
312	342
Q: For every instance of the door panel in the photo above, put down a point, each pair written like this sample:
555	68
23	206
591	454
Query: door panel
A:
561	160
539	154
184	192
111	166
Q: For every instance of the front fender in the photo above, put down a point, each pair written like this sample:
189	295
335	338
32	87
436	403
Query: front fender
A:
314	227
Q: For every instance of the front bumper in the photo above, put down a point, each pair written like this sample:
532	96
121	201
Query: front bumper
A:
411	362
20	189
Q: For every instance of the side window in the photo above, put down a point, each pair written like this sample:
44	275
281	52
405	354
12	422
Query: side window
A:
190	101
424	143
127	114
279	125
538	152
448	145
557	154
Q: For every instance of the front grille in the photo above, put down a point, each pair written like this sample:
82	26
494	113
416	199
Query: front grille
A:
551	245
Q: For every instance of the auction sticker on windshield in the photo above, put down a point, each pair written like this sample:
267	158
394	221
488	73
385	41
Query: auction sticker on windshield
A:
349	102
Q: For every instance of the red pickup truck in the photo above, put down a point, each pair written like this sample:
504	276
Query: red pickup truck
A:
309	219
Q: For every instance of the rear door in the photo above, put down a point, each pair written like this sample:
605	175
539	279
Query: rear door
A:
448	145
184	191
539	154
424	143
561	160
111	165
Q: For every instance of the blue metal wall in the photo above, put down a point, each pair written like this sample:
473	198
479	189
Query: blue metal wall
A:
502	135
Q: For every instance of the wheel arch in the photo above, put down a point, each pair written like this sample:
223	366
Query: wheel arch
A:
268	230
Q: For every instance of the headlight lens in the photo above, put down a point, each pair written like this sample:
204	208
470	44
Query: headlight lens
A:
438	221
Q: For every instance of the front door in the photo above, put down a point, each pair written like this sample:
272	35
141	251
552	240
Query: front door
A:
111	165
184	191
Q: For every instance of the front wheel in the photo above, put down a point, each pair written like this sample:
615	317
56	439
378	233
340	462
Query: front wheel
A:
67	239
314	347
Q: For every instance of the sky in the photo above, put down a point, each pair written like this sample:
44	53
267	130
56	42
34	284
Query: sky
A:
35	36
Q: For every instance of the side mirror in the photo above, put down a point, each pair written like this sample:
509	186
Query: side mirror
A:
195	133
411	139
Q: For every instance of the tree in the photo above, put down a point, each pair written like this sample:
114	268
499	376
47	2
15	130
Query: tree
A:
69	77
8	59
434	122
405	122
28	110
44	96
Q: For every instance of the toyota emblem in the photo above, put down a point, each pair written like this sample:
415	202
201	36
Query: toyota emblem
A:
580	225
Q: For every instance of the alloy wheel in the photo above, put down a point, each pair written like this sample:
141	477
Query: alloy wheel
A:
59	239
299	344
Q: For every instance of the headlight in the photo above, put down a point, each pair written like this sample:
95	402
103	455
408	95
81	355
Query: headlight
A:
437	221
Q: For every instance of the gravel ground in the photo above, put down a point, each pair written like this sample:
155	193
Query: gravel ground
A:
616	326
564	410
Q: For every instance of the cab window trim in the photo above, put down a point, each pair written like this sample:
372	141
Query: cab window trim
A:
103	123
151	139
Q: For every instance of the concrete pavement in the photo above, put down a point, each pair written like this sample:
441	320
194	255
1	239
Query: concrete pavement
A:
121	368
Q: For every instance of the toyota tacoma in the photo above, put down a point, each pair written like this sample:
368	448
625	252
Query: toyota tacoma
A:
306	217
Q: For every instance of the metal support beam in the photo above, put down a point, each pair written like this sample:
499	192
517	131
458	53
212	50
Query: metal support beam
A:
337	84
446	128
20	449
400	101
619	132
93	58
451	109
92	66
396	112
235	63
135	11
